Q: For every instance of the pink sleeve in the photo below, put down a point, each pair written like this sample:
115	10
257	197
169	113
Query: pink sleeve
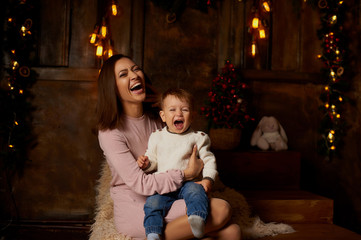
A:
124	164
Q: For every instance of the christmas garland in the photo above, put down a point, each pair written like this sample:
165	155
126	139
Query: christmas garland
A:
335	72
19	54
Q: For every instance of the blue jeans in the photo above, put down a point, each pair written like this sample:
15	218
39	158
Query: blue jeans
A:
157	206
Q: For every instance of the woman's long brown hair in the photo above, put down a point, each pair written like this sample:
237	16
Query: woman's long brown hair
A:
109	108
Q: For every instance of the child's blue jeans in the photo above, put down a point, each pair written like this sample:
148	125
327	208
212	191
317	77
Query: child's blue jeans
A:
157	206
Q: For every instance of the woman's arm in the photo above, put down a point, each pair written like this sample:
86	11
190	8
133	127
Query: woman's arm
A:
122	161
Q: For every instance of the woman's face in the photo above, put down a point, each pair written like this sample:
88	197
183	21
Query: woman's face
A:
130	81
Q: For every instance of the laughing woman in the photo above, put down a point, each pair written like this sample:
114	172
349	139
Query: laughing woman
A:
125	122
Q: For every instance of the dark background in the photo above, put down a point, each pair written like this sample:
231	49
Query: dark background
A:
59	182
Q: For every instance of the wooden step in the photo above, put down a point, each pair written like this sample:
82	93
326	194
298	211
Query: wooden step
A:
316	232
259	169
290	206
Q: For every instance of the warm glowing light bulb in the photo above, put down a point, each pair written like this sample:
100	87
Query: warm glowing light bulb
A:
16	123
93	38
253	49
10	19
327	105
319	56
110	52
340	2
15	65
99	51
333	19
262	34
103	31
21	91
13	51
266	6
11	146
326	88
332	147
338	116
255	22
333	107
23	30
114	9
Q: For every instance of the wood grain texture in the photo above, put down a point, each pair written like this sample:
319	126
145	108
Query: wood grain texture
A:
259	170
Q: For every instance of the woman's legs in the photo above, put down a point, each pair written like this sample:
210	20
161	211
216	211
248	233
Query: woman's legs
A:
219	215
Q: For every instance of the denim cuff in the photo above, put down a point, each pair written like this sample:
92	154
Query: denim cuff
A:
154	229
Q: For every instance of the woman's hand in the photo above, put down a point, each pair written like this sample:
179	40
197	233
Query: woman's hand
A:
194	167
206	184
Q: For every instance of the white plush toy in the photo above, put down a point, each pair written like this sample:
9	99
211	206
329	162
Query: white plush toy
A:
269	134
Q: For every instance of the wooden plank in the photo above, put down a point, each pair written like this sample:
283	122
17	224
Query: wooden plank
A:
67	74
316	232
259	169
282	76
137	34
224	32
310	45
83	21
54	34
290	206
121	28
285	40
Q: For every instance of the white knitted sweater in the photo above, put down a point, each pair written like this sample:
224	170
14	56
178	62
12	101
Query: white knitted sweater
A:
168	150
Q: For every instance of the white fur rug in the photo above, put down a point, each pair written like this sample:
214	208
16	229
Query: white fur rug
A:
252	226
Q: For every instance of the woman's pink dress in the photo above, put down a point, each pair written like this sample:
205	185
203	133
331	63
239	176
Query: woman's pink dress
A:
130	185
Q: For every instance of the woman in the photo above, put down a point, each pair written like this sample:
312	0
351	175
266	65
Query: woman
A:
125	123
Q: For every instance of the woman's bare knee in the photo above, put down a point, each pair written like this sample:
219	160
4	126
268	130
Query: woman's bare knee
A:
222	211
230	232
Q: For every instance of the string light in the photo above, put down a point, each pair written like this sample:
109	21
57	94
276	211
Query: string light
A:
99	51
253	49
258	24
262	34
255	22
114	9
101	36
104	30
266	6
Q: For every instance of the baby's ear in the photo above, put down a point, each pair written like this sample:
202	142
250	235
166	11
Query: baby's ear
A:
161	114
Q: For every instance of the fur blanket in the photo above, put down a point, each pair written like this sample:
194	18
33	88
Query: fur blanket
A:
252	226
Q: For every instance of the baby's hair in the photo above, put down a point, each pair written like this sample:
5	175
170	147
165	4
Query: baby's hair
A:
180	94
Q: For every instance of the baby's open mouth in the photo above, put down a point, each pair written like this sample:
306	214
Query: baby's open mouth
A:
178	124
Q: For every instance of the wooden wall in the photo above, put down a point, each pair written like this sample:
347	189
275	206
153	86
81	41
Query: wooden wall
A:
59	182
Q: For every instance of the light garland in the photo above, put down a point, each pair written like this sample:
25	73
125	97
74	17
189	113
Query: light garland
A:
101	36
334	54
16	121
259	27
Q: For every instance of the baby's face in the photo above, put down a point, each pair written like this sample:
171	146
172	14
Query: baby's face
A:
176	113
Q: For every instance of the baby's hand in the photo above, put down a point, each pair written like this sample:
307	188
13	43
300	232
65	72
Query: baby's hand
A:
207	185
143	162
